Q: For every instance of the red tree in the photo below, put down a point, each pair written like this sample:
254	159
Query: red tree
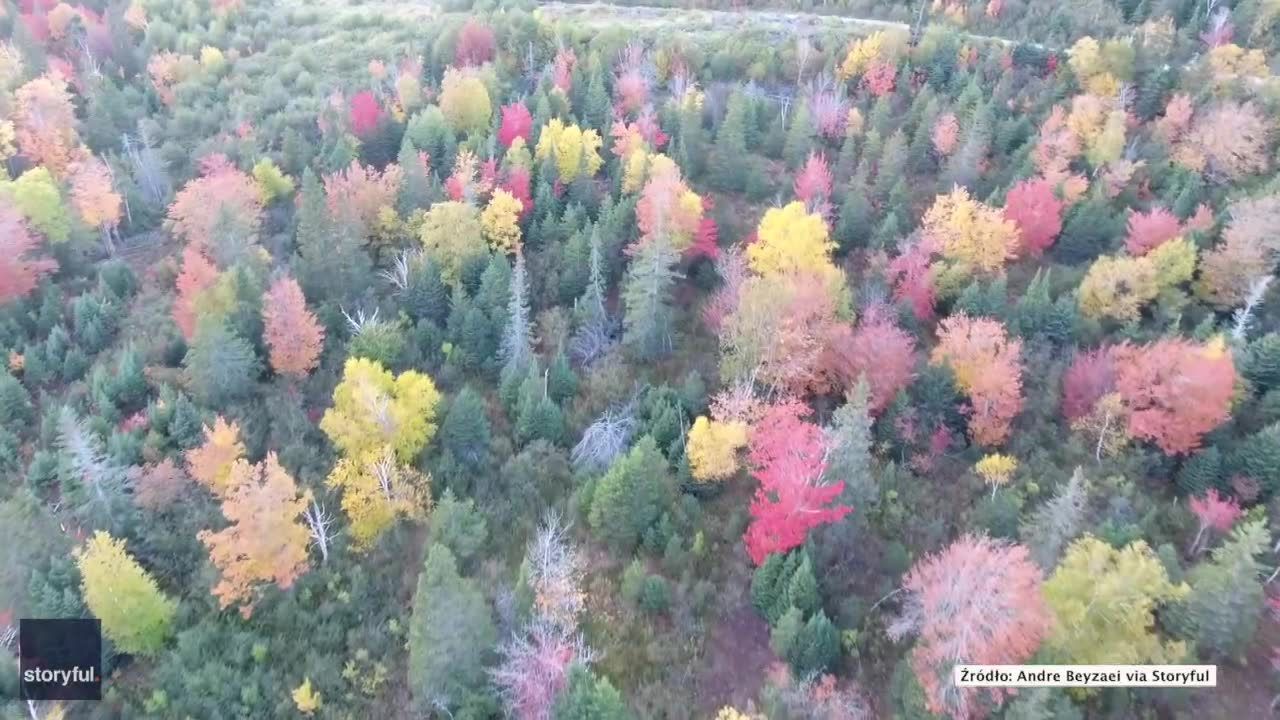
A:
789	459
516	123
1150	230
1214	513
976	602
290	330
221	192
475	44
517	183
1091	375
706	241
1175	391
880	78
813	185
562	70
1037	211
19	274
198	274
878	350
365	113
911	276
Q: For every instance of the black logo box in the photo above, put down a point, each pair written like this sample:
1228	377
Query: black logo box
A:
60	659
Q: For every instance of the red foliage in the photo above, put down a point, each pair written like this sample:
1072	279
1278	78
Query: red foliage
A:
1091	375
813	185
880	78
1037	211
517	183
912	277
355	195
516	122
978	601
19	274
1215	511
290	330
222	191
562	70
475	44
878	350
647	125
789	459
632	89
706	241
829	112
198	274
946	134
365	113
1175	391
1150	230
660	210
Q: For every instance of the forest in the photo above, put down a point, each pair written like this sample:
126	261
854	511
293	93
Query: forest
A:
717	360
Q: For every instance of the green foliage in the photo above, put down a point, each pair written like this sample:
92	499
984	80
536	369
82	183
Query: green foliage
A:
451	634
1201	472
630	496
809	647
459	526
1227	596
587	697
221	367
1258	457
465	430
1261	363
15	403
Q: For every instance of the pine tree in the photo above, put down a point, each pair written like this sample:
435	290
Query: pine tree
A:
729	154
648	323
1057	522
587	697
593	335
415	186
220	367
1227	596
892	166
451	634
332	265
1258	457
1201	472
802	589
465	431
799	142
517	338
630	496
598	105
853	229
849	437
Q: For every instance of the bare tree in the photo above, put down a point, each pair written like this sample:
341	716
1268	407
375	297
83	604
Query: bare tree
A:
318	522
605	439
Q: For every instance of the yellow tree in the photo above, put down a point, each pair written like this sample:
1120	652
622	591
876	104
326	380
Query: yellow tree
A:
45	123
996	470
712	448
573	149
265	542
373	408
464	101
134	613
1118	287
500	222
791	239
210	464
973	234
94	197
452	233
376	489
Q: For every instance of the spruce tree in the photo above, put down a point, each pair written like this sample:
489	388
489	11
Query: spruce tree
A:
332	264
648	324
729	155
1227	596
517	337
799	140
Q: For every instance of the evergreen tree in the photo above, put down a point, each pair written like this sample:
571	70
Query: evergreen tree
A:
332	264
1258	457
415	187
849	440
517	338
451	635
562	382
648	324
220	367
1262	363
892	165
630	496
1227	595
15	402
1201	472
853	229
537	415
465	429
425	295
599	107
728	162
1057	522
587	697
799	142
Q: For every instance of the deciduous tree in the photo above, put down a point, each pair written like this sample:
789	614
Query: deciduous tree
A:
290	331
573	149
135	615
475	44
372	408
266	543
210	463
45	123
1036	210
19	273
517	122
220	194
464	100
712	448
1175	391
971	233
988	369
500	222
376	490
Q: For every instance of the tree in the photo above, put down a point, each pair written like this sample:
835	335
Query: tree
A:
533	671
465	431
1057	522
332	262
500	222
791	239
198	274
789	457
946	134
475	44
812	185
94	197
135	615
202	208
978	601
996	470
975	235
210	463
648	323
1175	391
376	490
45	123
878	351
1247	251
587	697
1037	212
571	148
160	485
290	330
516	123
629	497
1214	512
356	194
1105	601
780	333
988	369
265	542
35	194
19	273
451	634
1228	141
305	698
1118	287
712	448
464	100
220	367
373	408
1227	594
272	184
1149	230
517	337
452	234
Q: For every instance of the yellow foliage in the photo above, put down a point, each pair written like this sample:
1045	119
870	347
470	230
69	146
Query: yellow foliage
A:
211	58
123	596
791	239
375	491
729	713
373	408
973	234
500	222
305	698
1118	287
712	448
1085	58
464	100
861	54
635	171
996	470
1174	261
575	150
853	123
518	155
452	233
211	463
271	182
1232	61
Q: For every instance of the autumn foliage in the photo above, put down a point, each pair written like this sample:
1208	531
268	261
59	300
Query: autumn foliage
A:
1036	210
210	463
19	272
788	457
290	330
1175	391
516	123
988	369
221	193
475	45
198	274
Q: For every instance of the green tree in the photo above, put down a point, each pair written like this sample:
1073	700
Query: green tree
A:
465	430
648	322
451	634
135	615
1227	595
220	367
332	264
587	697
630	496
457	525
729	154
35	194
799	141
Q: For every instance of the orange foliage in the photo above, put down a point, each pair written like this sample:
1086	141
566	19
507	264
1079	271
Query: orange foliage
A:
220	192
198	274
290	330
211	463
45	123
988	369
1175	391
19	274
